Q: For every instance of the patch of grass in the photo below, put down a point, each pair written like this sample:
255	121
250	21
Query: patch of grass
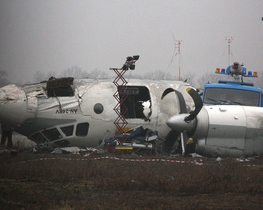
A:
45	181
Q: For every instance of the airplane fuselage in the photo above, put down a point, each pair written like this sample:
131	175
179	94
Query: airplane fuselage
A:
82	113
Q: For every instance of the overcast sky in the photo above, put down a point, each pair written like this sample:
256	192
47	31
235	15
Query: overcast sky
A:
53	35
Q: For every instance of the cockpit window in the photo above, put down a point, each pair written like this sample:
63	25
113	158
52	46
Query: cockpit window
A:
231	96
82	129
38	138
61	87
52	134
137	103
68	130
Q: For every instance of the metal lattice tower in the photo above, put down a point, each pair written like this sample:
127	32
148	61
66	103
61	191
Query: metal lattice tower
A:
120	95
178	45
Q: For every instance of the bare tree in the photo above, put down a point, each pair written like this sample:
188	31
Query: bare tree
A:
169	76
94	74
209	77
156	75
75	72
39	76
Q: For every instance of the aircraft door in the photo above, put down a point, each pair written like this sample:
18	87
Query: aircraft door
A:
138	104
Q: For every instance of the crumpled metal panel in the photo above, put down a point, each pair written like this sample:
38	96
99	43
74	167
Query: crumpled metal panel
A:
12	92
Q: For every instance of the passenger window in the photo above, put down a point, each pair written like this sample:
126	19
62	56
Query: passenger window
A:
98	108
52	134
68	130
82	129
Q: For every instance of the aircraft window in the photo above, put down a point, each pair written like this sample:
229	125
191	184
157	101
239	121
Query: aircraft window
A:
231	96
68	130
137	103
61	87
52	134
98	108
38	138
82	129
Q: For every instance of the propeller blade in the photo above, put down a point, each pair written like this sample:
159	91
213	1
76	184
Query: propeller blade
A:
168	90
198	103
183	110
184	138
180	97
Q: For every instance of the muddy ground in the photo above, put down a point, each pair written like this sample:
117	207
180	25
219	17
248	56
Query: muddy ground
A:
127	181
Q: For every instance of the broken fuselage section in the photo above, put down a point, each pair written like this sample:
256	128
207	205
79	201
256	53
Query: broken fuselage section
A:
66	112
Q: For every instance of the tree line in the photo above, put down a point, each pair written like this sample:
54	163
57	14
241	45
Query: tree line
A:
196	81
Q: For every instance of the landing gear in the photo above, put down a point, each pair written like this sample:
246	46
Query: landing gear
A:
173	146
171	143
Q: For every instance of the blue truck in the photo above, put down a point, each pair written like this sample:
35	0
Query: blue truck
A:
235	92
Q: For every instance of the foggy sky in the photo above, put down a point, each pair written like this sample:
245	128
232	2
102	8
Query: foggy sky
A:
53	35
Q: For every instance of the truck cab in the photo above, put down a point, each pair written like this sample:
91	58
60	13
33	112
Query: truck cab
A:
235	92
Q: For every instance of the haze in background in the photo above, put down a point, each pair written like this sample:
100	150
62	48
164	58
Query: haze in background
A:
53	35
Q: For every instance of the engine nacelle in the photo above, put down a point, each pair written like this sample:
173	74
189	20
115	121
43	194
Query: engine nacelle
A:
229	131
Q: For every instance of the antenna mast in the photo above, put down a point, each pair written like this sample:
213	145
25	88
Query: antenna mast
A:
177	45
229	40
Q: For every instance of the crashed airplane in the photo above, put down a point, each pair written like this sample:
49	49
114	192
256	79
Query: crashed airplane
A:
67	112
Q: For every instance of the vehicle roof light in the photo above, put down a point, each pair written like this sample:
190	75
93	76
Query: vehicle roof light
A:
237	71
252	74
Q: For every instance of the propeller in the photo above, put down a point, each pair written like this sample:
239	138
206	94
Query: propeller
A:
184	123
198	103
180	97
170	141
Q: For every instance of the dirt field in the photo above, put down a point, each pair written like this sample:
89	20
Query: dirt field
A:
121	181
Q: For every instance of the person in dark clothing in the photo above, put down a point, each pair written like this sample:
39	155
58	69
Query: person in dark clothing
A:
6	134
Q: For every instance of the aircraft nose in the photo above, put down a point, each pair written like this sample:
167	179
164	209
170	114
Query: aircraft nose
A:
178	124
12	105
3	95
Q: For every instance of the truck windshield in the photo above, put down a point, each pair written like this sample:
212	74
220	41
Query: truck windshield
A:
231	96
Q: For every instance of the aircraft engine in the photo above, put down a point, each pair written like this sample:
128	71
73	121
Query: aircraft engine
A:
221	130
184	123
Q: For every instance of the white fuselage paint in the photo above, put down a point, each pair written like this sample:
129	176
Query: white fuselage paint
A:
227	130
30	111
